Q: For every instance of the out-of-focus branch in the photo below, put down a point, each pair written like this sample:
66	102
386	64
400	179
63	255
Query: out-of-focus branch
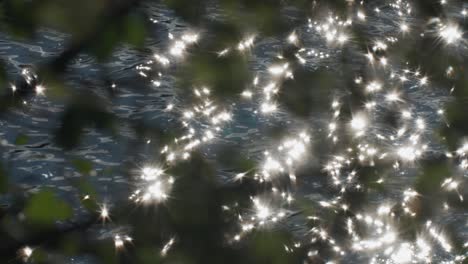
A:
115	11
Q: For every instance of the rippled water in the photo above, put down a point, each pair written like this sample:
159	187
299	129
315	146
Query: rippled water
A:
41	163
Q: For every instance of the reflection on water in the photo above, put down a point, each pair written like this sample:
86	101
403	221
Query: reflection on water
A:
41	163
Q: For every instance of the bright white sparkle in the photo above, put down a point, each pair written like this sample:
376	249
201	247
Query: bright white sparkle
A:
359	124
450	33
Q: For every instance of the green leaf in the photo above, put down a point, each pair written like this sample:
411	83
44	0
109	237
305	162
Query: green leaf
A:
44	208
192	12
86	188
39	256
23	17
3	180
106	42
106	252
268	247
233	158
226	76
86	110
432	176
304	94
83	166
135	30
3	75
21	139
75	17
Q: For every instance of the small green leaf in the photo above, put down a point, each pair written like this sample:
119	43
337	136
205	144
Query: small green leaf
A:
83	166
45	208
3	180
103	47
39	256
226	76
21	139
23	17
87	189
86	110
304	94
3	75
267	247
135	30
433	174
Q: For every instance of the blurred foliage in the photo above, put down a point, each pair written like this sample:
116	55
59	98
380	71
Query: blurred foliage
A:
44	208
432	176
268	247
83	166
202	69
310	89
194	214
3	180
86	110
21	139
